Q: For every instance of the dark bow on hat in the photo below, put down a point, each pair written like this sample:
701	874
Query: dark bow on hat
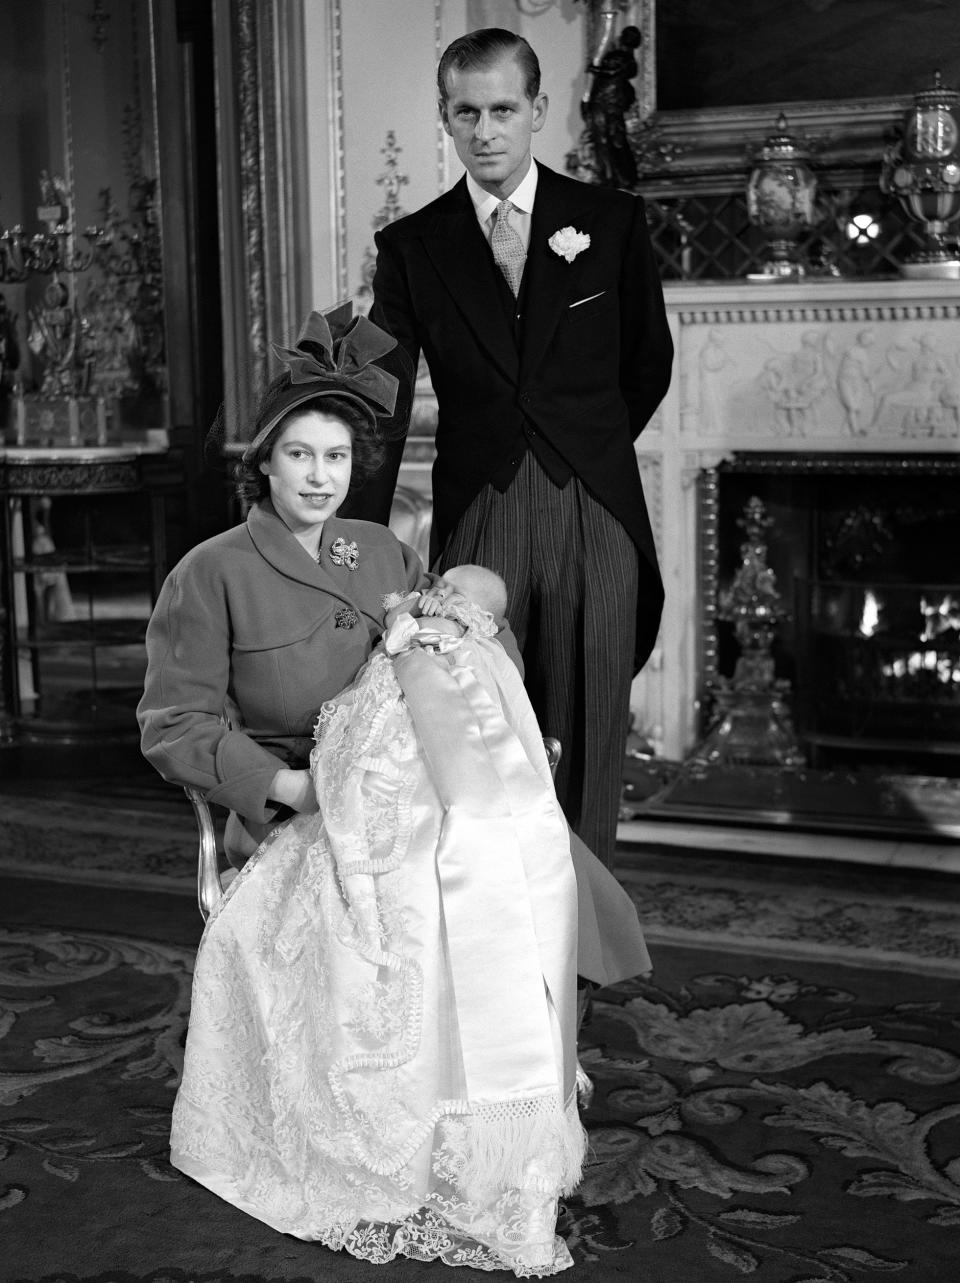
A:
345	362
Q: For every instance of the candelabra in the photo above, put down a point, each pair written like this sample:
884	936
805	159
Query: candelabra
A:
51	252
122	305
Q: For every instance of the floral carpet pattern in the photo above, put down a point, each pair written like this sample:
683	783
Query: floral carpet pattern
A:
793	1120
98	841
787	1125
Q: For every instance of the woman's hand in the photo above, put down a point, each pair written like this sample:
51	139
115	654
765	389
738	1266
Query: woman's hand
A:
294	789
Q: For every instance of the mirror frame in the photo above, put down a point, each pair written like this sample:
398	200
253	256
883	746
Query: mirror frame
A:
707	150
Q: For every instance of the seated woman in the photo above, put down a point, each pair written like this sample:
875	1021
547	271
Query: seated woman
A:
400	1085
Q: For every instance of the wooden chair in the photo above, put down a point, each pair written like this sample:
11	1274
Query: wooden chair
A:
210	886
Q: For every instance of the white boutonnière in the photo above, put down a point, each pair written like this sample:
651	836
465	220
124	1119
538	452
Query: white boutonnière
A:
568	243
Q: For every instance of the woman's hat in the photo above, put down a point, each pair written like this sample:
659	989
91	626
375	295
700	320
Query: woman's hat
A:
335	355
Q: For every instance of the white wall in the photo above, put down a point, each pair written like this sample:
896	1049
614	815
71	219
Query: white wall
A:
371	68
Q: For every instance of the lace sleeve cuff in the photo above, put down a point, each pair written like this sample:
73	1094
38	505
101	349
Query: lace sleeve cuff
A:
477	622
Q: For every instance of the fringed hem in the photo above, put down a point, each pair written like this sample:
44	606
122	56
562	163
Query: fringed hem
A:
535	1144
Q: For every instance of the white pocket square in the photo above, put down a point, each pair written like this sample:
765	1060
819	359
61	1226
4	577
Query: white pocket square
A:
588	299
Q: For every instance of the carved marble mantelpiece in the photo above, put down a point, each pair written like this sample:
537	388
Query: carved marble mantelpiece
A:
814	367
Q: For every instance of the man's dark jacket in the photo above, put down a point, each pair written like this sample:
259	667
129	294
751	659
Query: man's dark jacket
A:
583	367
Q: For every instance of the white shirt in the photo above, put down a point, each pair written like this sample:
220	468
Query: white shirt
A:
521	199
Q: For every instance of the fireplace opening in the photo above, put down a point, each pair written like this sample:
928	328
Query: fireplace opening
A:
865	551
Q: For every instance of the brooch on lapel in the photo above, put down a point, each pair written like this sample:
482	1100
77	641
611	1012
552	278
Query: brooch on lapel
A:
568	242
346	617
345	554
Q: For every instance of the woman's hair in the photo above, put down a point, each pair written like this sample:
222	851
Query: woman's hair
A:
368	450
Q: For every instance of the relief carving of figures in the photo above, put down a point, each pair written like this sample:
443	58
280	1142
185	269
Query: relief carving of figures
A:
714	359
855	382
846	381
795	383
926	403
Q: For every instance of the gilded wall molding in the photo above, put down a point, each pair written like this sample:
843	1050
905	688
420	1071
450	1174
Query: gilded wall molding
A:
263	202
250	140
438	48
338	149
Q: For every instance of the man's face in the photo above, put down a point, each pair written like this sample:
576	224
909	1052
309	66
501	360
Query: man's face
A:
491	121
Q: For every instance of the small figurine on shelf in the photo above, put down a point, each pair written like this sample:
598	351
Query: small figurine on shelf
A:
605	110
54	602
53	335
10	401
9	347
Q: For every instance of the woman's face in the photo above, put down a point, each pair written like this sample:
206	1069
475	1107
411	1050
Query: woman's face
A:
309	469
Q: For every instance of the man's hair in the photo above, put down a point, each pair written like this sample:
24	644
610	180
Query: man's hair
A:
477	50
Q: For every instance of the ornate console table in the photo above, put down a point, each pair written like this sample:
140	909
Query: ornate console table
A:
83	558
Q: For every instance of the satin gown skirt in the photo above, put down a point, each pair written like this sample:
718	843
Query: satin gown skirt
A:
382	1044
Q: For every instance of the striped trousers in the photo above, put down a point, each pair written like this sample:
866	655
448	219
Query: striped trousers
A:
571	575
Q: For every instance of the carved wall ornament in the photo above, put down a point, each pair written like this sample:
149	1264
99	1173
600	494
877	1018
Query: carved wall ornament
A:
651	476
71	478
392	180
99	19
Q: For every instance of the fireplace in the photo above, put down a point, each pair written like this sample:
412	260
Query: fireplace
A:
866	554
837	403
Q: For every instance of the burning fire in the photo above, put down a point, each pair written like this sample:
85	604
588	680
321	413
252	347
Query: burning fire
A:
938	617
870	616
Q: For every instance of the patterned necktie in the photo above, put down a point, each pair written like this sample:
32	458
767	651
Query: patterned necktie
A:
508	252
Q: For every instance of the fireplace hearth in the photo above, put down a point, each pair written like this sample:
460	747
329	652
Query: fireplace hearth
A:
865	554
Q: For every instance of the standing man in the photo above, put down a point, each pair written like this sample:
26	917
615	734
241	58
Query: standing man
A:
537	304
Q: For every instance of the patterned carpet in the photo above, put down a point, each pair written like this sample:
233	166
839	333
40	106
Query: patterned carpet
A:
779	1101
140	833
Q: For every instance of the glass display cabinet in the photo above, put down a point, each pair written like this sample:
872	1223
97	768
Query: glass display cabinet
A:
84	557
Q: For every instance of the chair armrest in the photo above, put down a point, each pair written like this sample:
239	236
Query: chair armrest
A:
209	886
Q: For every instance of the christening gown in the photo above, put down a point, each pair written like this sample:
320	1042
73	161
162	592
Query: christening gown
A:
382	1044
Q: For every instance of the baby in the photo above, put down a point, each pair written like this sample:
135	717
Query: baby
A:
465	599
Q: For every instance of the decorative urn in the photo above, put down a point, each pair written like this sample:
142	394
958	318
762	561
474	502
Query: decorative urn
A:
781	192
923	170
